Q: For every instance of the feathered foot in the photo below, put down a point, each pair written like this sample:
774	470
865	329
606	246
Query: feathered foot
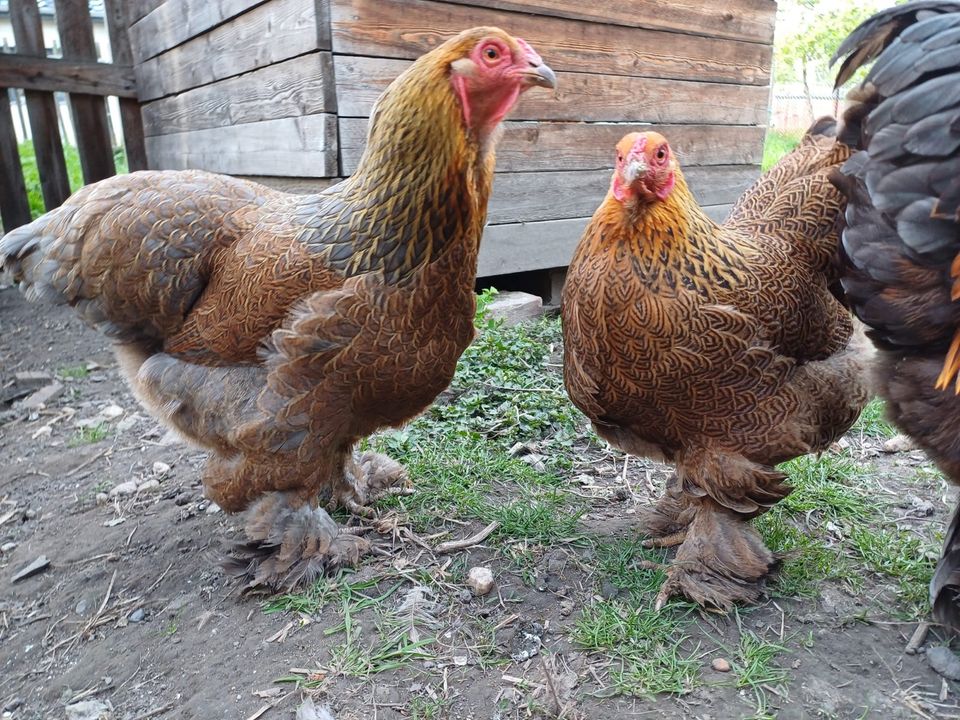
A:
722	561
666	522
289	546
365	479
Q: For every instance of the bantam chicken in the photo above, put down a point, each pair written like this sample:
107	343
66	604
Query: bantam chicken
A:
902	240
277	330
719	348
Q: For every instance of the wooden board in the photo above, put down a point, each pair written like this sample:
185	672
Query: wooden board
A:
269	33
303	146
48	74
408	28
535	196
14	206
580	97
528	146
521	247
176	21
750	20
130	120
139	8
44	123
89	111
302	86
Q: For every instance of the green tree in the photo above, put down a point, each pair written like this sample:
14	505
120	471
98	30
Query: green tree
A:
809	32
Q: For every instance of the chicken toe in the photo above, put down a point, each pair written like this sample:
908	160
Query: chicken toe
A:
721	562
289	545
365	479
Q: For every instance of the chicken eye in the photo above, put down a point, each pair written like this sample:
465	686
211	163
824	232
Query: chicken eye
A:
491	53
661	153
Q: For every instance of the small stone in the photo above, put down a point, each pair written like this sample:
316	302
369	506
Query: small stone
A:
123	489
608	591
8	547
38	565
137	616
480	580
567	607
111	412
944	662
89	710
183	498
534	460
212	509
128	423
32	377
899	443
42	397
160	468
29	514
81	608
515	307
13	705
720	665
465	596
149	486
102	498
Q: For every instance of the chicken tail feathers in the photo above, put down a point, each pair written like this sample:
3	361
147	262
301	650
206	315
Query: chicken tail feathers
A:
29	255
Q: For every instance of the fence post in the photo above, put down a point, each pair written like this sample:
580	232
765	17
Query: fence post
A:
118	29
28	35
89	111
14	206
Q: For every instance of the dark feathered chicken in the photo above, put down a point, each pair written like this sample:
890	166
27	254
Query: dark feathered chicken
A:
277	330
903	231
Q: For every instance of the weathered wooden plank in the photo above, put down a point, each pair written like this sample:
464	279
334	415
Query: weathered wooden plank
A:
89	111
176	21
528	146
28	36
14	206
48	74
535	196
297	186
301	86
580	97
275	31
302	146
750	20
521	247
408	28
130	119
139	8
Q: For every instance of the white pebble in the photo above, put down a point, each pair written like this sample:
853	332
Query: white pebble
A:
480	580
149	486
160	468
125	488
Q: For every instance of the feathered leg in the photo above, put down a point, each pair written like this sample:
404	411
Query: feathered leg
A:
367	478
722	560
666	522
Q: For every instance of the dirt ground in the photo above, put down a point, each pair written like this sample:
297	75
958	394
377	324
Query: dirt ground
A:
134	611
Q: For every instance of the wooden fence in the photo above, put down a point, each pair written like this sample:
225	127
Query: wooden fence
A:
87	81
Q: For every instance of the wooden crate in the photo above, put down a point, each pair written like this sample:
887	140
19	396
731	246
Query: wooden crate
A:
280	91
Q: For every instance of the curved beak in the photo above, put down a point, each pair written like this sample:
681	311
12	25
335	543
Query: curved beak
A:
540	75
635	169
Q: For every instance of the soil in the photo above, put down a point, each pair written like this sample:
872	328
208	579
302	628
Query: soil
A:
134	610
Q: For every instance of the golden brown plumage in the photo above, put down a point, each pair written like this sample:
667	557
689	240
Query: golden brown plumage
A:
902	240
719	348
277	330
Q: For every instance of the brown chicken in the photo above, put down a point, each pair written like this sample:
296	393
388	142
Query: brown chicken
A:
902	240
277	330
719	348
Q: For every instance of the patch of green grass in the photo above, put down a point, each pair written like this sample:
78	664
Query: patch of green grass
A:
74	372
423	708
89	435
31	175
463	477
872	421
830	485
646	646
753	668
901	556
776	144
806	562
